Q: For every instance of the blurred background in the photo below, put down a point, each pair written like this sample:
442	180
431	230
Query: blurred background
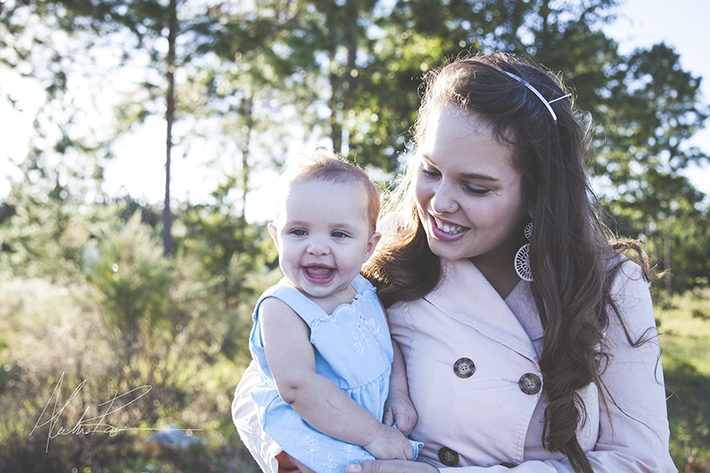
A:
140	139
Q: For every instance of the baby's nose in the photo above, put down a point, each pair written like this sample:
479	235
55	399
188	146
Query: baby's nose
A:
318	247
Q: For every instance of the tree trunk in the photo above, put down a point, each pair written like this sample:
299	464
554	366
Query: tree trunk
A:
249	121
336	129
351	37
169	117
667	263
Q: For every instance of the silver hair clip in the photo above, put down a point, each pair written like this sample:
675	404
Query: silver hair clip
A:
537	93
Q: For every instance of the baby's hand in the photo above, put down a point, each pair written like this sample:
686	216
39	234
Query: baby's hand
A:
400	411
390	444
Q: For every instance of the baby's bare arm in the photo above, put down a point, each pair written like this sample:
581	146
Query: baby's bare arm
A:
291	359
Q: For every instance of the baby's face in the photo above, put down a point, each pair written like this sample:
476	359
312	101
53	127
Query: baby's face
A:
323	237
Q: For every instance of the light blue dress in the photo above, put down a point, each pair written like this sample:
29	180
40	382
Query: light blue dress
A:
353	349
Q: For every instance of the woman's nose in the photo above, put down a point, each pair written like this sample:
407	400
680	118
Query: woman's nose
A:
443	200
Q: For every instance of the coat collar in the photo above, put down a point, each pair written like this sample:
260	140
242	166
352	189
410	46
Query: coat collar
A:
465	295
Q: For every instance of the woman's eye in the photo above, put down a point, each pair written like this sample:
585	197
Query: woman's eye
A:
430	172
476	190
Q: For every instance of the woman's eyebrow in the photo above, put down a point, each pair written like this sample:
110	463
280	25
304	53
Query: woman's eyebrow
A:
428	161
484	177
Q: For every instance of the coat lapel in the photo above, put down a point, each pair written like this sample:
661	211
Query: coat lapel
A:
465	295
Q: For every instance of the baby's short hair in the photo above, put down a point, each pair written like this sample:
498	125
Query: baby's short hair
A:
324	165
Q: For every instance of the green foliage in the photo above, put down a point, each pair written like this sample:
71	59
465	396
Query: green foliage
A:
233	262
226	247
133	281
251	78
40	236
652	109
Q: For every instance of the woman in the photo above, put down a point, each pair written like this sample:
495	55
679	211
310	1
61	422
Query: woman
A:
539	355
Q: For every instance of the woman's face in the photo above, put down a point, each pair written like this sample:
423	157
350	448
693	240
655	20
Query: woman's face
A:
468	194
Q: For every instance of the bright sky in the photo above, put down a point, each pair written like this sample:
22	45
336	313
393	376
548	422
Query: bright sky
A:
137	169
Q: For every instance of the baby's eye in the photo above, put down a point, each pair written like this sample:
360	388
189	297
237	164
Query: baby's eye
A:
299	232
338	234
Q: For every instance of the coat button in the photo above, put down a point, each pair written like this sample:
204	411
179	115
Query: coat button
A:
530	383
464	367
448	457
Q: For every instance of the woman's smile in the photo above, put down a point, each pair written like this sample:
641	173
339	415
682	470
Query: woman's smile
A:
445	230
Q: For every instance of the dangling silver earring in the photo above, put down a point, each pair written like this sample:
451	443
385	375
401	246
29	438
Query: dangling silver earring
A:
522	257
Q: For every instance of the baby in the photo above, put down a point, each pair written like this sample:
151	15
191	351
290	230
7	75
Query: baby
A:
320	336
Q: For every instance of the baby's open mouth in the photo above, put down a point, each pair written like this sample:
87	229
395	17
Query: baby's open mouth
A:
318	272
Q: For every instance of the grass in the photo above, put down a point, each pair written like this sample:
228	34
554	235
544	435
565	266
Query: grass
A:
50	333
684	322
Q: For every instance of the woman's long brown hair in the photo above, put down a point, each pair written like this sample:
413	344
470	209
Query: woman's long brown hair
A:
574	258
